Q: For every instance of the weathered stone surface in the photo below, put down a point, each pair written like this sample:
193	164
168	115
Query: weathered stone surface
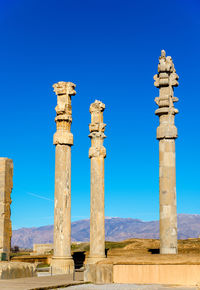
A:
99	273
182	269
97	153
185	275
166	80
12	270
42	248
6	184
62	261
42	282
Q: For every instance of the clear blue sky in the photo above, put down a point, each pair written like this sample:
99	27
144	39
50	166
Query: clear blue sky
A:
110	49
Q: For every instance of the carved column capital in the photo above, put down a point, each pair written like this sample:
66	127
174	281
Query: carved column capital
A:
97	128
64	91
166	79
97	149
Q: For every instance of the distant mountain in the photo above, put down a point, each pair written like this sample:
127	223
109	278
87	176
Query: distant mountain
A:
116	229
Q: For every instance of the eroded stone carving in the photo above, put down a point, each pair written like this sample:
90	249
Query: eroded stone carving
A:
62	261
64	91
166	80
97	128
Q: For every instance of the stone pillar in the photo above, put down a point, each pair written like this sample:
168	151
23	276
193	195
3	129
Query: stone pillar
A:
62	261
166	80
6	184
97	153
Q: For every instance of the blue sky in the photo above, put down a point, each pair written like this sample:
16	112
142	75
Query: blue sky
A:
110	49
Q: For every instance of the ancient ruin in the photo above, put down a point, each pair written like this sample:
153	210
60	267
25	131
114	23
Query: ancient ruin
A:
42	249
97	153
166	80
6	185
9	269
129	268
62	261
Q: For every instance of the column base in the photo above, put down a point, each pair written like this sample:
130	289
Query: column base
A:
168	251
62	265
94	260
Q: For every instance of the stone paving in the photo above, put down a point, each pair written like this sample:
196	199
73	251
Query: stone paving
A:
38	283
63	282
126	287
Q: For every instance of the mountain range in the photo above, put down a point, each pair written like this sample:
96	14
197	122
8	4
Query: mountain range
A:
116	229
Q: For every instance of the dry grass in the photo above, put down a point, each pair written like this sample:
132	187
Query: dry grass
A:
141	246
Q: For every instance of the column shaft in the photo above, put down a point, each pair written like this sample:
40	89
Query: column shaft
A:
167	189
97	227
62	211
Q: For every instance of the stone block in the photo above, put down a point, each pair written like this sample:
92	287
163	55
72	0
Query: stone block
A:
12	270
99	273
6	175
62	265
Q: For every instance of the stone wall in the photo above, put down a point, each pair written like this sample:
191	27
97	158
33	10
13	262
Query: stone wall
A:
169	274
39	249
6	184
157	274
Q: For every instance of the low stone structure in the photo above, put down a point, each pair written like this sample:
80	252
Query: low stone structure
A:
166	80
6	184
97	153
12	270
157	274
39	249
37	259
62	262
149	269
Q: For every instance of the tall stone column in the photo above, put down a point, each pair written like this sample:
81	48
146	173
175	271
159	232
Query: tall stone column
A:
97	153
166	80
62	261
6	185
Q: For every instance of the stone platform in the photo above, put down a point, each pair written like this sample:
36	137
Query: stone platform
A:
147	269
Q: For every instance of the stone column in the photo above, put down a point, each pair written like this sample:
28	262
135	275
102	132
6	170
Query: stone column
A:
6	184
97	153
62	261
166	80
